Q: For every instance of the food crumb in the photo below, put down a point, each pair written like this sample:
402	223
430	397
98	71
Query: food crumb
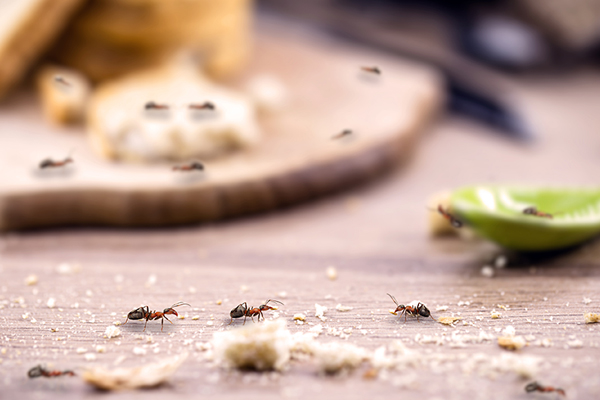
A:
511	342
139	351
90	357
575	344
495	314
320	312
500	262
587	300
441	308
100	349
591	318
111	332
342	308
31	280
151	280
487	271
67	268
81	350
334	357
195	318
51	303
219	302
300	318
448	320
331	273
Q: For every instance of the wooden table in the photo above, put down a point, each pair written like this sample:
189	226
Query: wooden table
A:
375	236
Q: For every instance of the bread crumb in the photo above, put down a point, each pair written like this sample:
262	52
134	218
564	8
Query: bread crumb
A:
148	375
591	318
335	357
342	308
448	320
31	280
67	269
111	332
90	357
81	350
300	318
282	294
317	329
487	271
139	351
331	273
511	342
509	331
441	308
495	315
51	303
203	346
320	312
264	346
195	318
219	302
587	300
151	280
100	349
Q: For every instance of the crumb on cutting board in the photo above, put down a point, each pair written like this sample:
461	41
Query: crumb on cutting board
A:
591	318
511	342
448	320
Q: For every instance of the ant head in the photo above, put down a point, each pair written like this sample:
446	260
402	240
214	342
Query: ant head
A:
530	210
532	387
170	311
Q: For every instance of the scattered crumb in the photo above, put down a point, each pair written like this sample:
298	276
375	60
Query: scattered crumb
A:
51	303
282	294
100	349
67	269
317	329
203	346
342	308
139	351
89	293
148	375
260	347
503	307
575	344
448	320
441	308
151	280
219	302
320	312
81	350
334	357
587	300
371	373
591	318
509	331
546	342
53	330
111	332
487	271
500	262
300	318
90	357
331	273
244	288
511	342
495	315
195	318
210	323
31	280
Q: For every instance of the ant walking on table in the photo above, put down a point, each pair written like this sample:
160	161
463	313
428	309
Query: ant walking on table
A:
414	308
61	79
49	163
151	105
242	310
40	370
189	167
536	387
537	213
344	133
145	313
372	70
207	105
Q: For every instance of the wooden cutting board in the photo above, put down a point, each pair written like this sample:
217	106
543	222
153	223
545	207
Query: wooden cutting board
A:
296	161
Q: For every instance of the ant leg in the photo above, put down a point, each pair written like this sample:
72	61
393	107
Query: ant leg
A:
162	323
245	316
230	322
145	325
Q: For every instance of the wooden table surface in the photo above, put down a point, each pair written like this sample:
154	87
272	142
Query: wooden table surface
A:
375	236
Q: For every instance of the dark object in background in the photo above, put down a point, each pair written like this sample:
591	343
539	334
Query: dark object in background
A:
39	370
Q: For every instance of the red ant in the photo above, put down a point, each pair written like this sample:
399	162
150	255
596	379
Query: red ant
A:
537	213
345	132
155	106
207	105
534	386
415	310
39	370
49	163
60	79
373	70
450	217
242	310
189	167
145	313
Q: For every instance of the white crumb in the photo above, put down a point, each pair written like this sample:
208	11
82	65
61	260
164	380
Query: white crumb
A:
575	344
51	303
90	357
31	280
151	280
495	315
441	308
342	308
331	273
139	351
100	349
487	271
67	268
317	329
587	300
195	318
264	346
334	357
591	318
509	331
320	312
81	350
282	294
511	342
111	332
500	262
300	317
146	376
203	346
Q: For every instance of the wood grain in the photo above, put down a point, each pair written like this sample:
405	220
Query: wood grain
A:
296	161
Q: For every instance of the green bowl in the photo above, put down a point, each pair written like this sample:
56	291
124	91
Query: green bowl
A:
496	212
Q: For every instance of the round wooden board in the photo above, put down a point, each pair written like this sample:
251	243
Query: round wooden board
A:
296	161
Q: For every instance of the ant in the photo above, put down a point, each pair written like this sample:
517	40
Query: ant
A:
155	106
242	310
60	79
537	213
345	132
189	167
450	217
39	370
49	163
145	313
534	386
373	70
416	310
207	105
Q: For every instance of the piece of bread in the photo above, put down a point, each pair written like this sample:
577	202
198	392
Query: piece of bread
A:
64	94
113	37
123	125
28	27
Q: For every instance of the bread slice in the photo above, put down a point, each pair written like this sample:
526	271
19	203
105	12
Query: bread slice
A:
27	29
